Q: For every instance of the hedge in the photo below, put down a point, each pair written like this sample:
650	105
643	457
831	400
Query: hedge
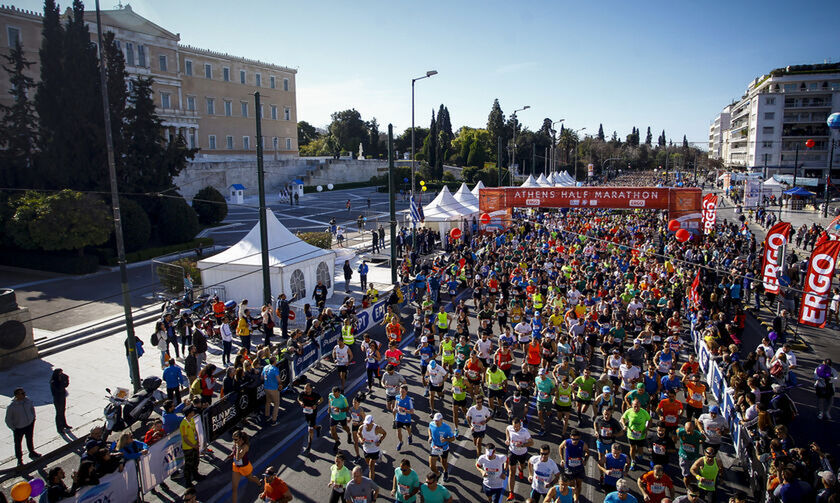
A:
108	256
319	239
309	189
47	261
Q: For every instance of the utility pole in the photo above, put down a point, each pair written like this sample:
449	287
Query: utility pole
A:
795	164
266	274
131	340
533	158
392	207
499	159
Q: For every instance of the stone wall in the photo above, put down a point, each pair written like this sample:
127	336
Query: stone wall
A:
221	173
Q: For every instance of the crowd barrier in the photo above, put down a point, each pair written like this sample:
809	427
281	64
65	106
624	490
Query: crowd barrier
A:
117	486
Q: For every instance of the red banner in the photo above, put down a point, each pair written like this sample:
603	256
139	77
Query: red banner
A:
694	292
588	197
709	212
815	300
773	243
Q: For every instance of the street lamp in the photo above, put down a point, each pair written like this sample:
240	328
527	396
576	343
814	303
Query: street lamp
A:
553	145
428	74
513	157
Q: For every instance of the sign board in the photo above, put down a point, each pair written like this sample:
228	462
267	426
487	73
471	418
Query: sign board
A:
800	180
752	192
230	410
165	457
590	170
117	486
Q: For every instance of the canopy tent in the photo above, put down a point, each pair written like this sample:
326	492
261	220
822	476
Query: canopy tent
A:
799	191
295	266
542	181
563	179
466	198
444	212
478	186
530	182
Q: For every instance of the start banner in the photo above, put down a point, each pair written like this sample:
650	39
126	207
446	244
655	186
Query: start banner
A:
776	239
814	308
589	197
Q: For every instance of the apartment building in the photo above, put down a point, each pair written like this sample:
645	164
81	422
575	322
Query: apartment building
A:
774	118
203	95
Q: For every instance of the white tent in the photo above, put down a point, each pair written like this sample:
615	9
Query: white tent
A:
444	212
530	182
295	266
772	187
542	181
466	198
478	186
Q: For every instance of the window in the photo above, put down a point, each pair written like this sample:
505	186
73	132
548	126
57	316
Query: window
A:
258	80
246	143
211	106
244	106
768	116
285	84
191	103
164	100
812	86
271	82
287	114
322	274
193	140
129	54
288	144
260	112
229	142
790	87
211	142
241	76
188	67
274	112
228	108
162	62
767	130
297	284
275	141
767	144
208	71
141	56
13	35
226	74
770	101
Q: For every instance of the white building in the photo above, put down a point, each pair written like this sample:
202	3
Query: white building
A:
779	112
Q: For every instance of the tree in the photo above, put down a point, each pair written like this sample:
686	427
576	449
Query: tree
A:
17	124
176	221
662	141
116	78
306	133
496	127
601	132
430	149
445	136
348	129
137	229
685	142
210	206
402	143
66	220
371	143
50	94
648	138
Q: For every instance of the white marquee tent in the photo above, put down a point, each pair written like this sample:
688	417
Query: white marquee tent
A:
478	186
530	182
542	181
295	266
773	187
444	212
467	199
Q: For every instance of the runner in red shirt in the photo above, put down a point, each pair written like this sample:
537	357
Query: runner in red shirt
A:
393	355
669	410
656	485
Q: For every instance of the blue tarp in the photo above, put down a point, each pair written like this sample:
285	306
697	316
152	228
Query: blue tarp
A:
799	191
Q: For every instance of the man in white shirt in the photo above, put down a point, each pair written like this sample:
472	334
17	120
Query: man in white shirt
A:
435	376
543	473
629	374
492	466
477	417
634	304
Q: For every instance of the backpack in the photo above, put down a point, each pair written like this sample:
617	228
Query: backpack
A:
195	387
155	339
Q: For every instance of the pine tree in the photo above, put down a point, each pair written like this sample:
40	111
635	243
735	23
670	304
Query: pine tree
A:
430	144
496	127
685	142
601	132
116	78
648	138
49	96
17	124
662	140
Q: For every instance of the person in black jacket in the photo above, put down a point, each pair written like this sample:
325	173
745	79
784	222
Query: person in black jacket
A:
57	490
58	387
348	274
191	365
283	314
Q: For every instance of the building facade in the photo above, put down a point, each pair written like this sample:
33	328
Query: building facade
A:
203	95
775	117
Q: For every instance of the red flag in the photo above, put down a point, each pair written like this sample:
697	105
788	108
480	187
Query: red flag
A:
775	240
694	292
709	212
815	300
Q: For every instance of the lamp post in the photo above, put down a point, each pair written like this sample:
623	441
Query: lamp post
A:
553	146
513	157
428	74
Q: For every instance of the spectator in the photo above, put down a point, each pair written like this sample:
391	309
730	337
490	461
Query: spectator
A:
57	490
20	418
155	432
199	340
191	365
58	389
171	420
274	489
189	443
825	377
174	379
130	448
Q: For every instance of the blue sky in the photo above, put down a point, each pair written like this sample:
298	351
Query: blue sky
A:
668	64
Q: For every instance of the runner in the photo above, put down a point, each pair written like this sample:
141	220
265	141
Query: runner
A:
338	416
342	356
543	473
496	382
357	415
434	379
432	492
518	440
621	494
606	428
371	435
309	401
440	435
474	370
560	493
615	465
661	446
669	411
360	489
394	355
459	398
573	456
504	357
403	412
406	483
492	468
427	354
391	381
695	397
563	402
706	470
447	352
690	441
370	348
339	477
635	421
477	417
241	465
516	406
584	385
442	322
656	485
713	426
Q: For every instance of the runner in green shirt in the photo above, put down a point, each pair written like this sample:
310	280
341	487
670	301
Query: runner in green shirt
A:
339	476
635	422
406	483
462	352
496	381
338	415
459	398
637	394
690	441
585	386
545	389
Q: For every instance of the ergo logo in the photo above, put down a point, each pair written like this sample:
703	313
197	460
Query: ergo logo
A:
817	285
771	259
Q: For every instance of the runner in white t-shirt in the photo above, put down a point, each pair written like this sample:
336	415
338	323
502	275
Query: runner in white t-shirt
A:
543	473
492	467
477	417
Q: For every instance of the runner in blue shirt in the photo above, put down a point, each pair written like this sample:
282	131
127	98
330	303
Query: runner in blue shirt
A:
403	410
440	435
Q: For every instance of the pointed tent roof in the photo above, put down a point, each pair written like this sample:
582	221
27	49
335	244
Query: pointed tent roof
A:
530	182
772	181
478	186
284	248
444	205
543	181
466	198
799	191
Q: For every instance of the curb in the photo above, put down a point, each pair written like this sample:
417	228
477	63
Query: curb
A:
94	332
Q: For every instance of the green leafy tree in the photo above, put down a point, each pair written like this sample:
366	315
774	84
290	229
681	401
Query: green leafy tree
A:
372	145
175	221
601	132
648	138
210	205
348	129
116	78
402	143
316	147
136	226
17	124
306	133
496	129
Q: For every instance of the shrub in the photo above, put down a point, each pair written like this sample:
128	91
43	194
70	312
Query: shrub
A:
137	229
176	221
210	205
319	239
66	263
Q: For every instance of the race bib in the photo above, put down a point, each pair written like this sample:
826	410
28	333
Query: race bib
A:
606	432
574	462
472	374
697	397
404	489
391	389
671	419
658	449
356	417
565	399
578	358
457	390
635	434
615	473
584	395
461	357
308	410
402	410
336	410
479	425
371	360
360	499
339	488
656	338
689	448
657	488
447	354
542	395
435	450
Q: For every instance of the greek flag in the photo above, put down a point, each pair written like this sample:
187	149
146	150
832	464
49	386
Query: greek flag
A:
416	212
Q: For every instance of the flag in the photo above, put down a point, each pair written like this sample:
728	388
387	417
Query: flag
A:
774	243
694	292
416	212
709	212
813	309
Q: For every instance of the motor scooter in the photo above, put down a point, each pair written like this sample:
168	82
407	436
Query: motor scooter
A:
123	410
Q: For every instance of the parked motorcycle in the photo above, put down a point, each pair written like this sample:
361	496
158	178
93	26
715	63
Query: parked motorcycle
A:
123	411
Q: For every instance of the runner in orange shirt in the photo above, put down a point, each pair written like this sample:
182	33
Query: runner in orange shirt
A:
695	392
669	410
656	485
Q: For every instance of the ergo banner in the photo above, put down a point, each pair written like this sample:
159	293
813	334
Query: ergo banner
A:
770	265
815	300
709	212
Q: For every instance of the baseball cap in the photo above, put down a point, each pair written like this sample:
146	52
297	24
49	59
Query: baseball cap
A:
776	387
458	371
90	444
640	385
714	409
269	472
368	419
541	372
438	417
424	339
606	389
827	475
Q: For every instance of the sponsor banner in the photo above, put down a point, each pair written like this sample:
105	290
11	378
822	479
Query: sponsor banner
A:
774	243
589	197
752	192
716	383
228	411
709	212
165	457
694	292
814	306
199	432
114	487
